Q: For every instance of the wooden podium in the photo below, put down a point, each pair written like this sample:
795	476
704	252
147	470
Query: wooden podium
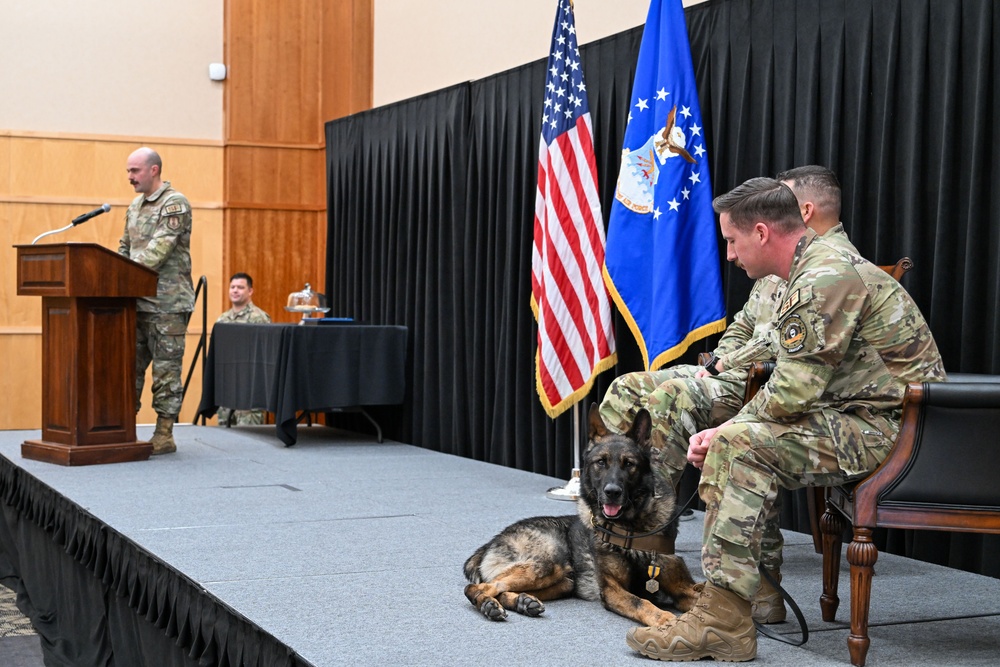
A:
88	351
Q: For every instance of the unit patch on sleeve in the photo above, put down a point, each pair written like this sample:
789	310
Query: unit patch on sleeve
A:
173	209
793	334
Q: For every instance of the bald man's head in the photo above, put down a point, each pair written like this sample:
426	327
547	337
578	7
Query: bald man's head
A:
144	166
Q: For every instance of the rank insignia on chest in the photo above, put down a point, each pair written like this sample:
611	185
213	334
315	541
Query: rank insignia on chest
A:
793	333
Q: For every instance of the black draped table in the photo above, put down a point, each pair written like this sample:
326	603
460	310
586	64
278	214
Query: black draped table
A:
285	368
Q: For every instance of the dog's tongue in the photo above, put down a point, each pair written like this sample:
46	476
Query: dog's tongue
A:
612	511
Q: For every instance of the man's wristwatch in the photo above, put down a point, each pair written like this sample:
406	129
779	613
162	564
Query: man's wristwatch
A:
710	365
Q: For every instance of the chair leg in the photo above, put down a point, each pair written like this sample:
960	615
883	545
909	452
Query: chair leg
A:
861	554
832	525
815	506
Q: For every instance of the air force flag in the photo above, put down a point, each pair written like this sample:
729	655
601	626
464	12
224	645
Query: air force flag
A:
662	260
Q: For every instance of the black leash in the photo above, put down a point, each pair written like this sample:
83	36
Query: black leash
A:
767	632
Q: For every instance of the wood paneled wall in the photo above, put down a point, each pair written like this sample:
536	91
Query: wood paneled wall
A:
46	181
293	66
259	194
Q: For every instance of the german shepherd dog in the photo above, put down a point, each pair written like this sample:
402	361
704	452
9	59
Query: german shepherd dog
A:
612	549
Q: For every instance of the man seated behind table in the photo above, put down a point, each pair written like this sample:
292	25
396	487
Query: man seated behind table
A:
243	312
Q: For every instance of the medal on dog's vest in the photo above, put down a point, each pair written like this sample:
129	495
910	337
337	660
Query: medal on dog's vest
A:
653	585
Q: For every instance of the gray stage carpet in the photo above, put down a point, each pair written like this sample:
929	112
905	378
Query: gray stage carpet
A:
351	552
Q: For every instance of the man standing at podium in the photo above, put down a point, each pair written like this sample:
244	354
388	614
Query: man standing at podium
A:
158	235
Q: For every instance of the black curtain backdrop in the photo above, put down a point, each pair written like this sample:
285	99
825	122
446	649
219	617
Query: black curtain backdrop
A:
431	203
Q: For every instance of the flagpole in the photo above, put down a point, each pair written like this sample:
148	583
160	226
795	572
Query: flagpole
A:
571	489
568	296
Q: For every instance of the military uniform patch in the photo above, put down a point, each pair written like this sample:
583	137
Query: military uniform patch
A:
793	300
793	334
173	223
173	209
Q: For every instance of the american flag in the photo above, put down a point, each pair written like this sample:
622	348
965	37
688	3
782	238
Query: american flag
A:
568	296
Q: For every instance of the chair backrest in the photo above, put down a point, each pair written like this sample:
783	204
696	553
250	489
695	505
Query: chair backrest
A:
899	269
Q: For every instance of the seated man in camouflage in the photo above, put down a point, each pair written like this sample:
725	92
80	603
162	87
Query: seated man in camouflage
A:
847	340
692	398
243	312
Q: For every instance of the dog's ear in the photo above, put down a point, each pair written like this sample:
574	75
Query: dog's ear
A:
642	428
596	425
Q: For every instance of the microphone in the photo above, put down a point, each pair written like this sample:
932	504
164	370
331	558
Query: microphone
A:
80	219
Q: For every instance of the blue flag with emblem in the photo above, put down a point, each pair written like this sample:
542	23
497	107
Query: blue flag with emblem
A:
662	260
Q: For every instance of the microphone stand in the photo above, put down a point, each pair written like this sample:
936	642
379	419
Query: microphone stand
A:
52	231
78	220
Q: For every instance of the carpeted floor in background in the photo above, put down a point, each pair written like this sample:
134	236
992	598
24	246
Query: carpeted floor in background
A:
19	646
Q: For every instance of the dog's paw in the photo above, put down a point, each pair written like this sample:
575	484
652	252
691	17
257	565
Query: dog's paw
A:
529	605
492	610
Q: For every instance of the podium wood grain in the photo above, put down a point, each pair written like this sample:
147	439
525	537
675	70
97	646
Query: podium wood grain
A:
88	351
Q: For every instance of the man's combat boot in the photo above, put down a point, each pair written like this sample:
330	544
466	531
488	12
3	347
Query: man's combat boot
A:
767	604
163	436
719	626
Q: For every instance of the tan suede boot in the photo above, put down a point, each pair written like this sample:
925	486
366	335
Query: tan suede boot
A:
163	436
767	604
719	626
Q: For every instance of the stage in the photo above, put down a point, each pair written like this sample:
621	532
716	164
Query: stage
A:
239	550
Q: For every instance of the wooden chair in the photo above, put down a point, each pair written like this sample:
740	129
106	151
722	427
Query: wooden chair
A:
899	269
939	475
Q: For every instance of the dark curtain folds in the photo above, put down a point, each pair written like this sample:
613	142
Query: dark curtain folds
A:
395	244
503	159
431	202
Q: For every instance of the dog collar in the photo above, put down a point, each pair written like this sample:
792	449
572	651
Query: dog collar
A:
609	533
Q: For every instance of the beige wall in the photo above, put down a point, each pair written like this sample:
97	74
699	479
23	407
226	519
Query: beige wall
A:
82	84
111	67
425	45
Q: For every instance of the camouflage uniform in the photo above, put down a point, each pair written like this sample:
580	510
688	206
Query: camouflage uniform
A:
250	314
848	339
682	405
158	235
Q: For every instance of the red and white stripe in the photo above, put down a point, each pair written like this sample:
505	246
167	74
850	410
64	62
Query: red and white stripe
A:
571	303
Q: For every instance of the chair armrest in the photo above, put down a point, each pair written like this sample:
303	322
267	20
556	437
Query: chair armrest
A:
944	455
759	373
973	377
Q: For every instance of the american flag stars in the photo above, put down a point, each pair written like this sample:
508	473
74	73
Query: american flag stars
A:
564	87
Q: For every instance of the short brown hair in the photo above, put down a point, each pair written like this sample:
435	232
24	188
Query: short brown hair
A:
761	199
816	184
